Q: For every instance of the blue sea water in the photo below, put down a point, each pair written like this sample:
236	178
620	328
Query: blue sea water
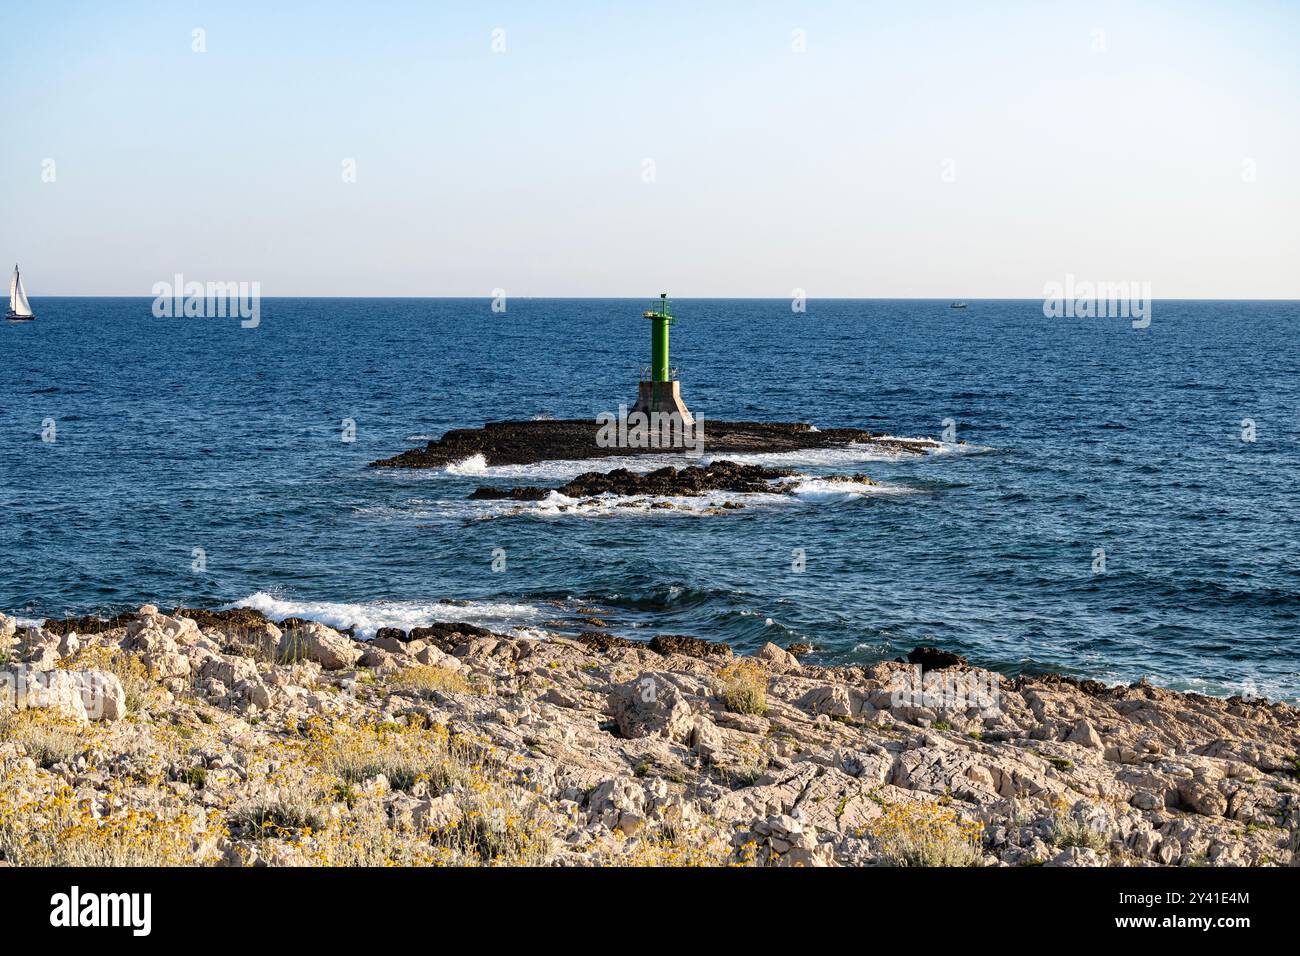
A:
177	434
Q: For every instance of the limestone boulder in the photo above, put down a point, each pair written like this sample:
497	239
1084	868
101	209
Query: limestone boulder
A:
651	705
80	695
777	658
325	646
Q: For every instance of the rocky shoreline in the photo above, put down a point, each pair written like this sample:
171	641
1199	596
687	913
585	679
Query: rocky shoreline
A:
529	442
223	738
691	481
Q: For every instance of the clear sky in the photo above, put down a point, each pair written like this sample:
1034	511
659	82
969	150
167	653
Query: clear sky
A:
950	149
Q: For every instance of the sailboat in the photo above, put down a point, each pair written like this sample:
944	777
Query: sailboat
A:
20	310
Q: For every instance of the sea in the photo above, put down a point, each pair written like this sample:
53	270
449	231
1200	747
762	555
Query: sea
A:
1107	501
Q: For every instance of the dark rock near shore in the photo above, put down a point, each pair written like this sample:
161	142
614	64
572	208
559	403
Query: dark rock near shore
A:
89	624
688	646
1093	688
447	635
858	479
933	658
234	617
527	442
601	641
527	493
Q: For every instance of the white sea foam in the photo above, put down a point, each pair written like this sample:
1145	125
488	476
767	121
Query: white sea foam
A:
1268	688
367	618
806	490
473	465
564	469
811	488
602	506
959	448
802	490
837	456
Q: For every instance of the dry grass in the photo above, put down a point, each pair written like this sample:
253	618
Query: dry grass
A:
670	846
290	812
499	825
1068	832
743	687
924	834
58	829
48	738
494	821
428	678
364	836
405	755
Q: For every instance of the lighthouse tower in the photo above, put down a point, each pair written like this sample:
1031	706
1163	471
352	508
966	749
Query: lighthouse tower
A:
661	392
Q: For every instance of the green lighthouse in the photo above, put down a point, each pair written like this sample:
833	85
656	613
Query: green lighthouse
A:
659	339
661	392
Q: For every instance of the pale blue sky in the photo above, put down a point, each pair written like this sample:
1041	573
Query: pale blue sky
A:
822	170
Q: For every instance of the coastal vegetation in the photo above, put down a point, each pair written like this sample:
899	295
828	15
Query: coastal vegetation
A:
240	741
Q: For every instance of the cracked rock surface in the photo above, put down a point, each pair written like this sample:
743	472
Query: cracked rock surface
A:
265	743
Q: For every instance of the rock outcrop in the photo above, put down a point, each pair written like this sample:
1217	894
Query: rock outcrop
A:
528	442
668	482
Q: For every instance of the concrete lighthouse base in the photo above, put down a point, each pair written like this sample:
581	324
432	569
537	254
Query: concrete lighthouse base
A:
662	397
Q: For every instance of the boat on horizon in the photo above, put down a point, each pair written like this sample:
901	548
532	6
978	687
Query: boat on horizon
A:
957	305
20	310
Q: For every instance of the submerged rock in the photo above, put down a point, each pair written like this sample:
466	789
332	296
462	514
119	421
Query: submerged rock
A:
672	482
667	482
662	482
510	494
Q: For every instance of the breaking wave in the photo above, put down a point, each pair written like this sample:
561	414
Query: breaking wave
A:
806	489
367	618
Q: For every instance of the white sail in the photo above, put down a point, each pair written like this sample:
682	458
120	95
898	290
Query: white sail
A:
18	304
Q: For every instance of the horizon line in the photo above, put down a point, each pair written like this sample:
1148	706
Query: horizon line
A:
743	298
